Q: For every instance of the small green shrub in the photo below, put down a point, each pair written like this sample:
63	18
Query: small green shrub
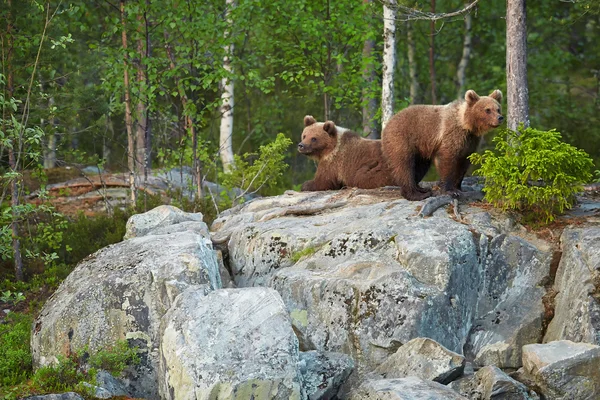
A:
63	376
534	172
115	359
15	355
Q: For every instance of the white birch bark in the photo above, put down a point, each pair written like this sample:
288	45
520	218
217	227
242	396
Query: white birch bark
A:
226	131
464	61
389	61
517	92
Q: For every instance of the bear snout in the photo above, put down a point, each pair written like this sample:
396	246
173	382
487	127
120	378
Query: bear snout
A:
300	146
500	118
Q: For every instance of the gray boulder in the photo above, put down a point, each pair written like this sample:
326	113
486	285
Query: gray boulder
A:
164	220
362	274
490	383
323	373
121	292
510	308
577	305
409	388
563	369
229	344
424	358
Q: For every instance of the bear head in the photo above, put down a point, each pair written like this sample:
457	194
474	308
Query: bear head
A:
318	138
482	113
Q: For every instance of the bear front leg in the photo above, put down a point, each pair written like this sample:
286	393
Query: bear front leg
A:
451	173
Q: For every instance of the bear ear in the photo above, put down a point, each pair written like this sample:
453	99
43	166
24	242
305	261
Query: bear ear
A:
329	127
496	95
471	97
309	120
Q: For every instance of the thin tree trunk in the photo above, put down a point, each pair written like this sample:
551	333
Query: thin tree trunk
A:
369	102
389	61
226	131
141	108
188	123
14	186
128	116
412	63
110	128
464	61
50	148
517	92
432	55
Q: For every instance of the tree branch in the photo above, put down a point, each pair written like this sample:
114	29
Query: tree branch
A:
404	13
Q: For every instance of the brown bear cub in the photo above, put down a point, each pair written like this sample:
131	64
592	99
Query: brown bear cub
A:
343	158
446	135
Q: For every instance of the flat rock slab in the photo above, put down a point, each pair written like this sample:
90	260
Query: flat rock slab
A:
409	388
564	369
157	221
424	358
229	344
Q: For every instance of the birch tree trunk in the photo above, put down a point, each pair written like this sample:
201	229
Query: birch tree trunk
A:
412	64
464	61
517	92
50	145
226	131
369	102
432	55
389	61
128	117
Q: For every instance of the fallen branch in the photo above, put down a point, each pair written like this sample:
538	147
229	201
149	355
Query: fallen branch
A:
432	204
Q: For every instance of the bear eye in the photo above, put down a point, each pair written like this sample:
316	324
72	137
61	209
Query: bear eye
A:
487	110
498	111
313	139
303	137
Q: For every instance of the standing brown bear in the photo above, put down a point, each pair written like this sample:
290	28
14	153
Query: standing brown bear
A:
445	134
343	158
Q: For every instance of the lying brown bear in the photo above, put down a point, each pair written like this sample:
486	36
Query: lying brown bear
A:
447	135
343	158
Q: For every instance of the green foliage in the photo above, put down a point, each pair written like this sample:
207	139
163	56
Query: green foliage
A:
262	174
115	359
15	355
61	377
295	257
533	171
12	297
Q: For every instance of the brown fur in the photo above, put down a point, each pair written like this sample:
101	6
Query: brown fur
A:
343	158
447	135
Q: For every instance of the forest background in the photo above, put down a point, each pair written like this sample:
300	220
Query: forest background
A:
221	87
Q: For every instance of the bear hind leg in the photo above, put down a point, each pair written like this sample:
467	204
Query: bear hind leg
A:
421	167
403	171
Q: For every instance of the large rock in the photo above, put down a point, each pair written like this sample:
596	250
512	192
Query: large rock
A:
564	369
424	358
164	220
510	308
490	383
121	292
409	388
61	396
229	344
362	274
577	304
323	373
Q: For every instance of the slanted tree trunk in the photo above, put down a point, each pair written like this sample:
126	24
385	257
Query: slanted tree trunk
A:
517	92
369	102
226	131
432	55
412	64
128	117
389	61
464	61
12	163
